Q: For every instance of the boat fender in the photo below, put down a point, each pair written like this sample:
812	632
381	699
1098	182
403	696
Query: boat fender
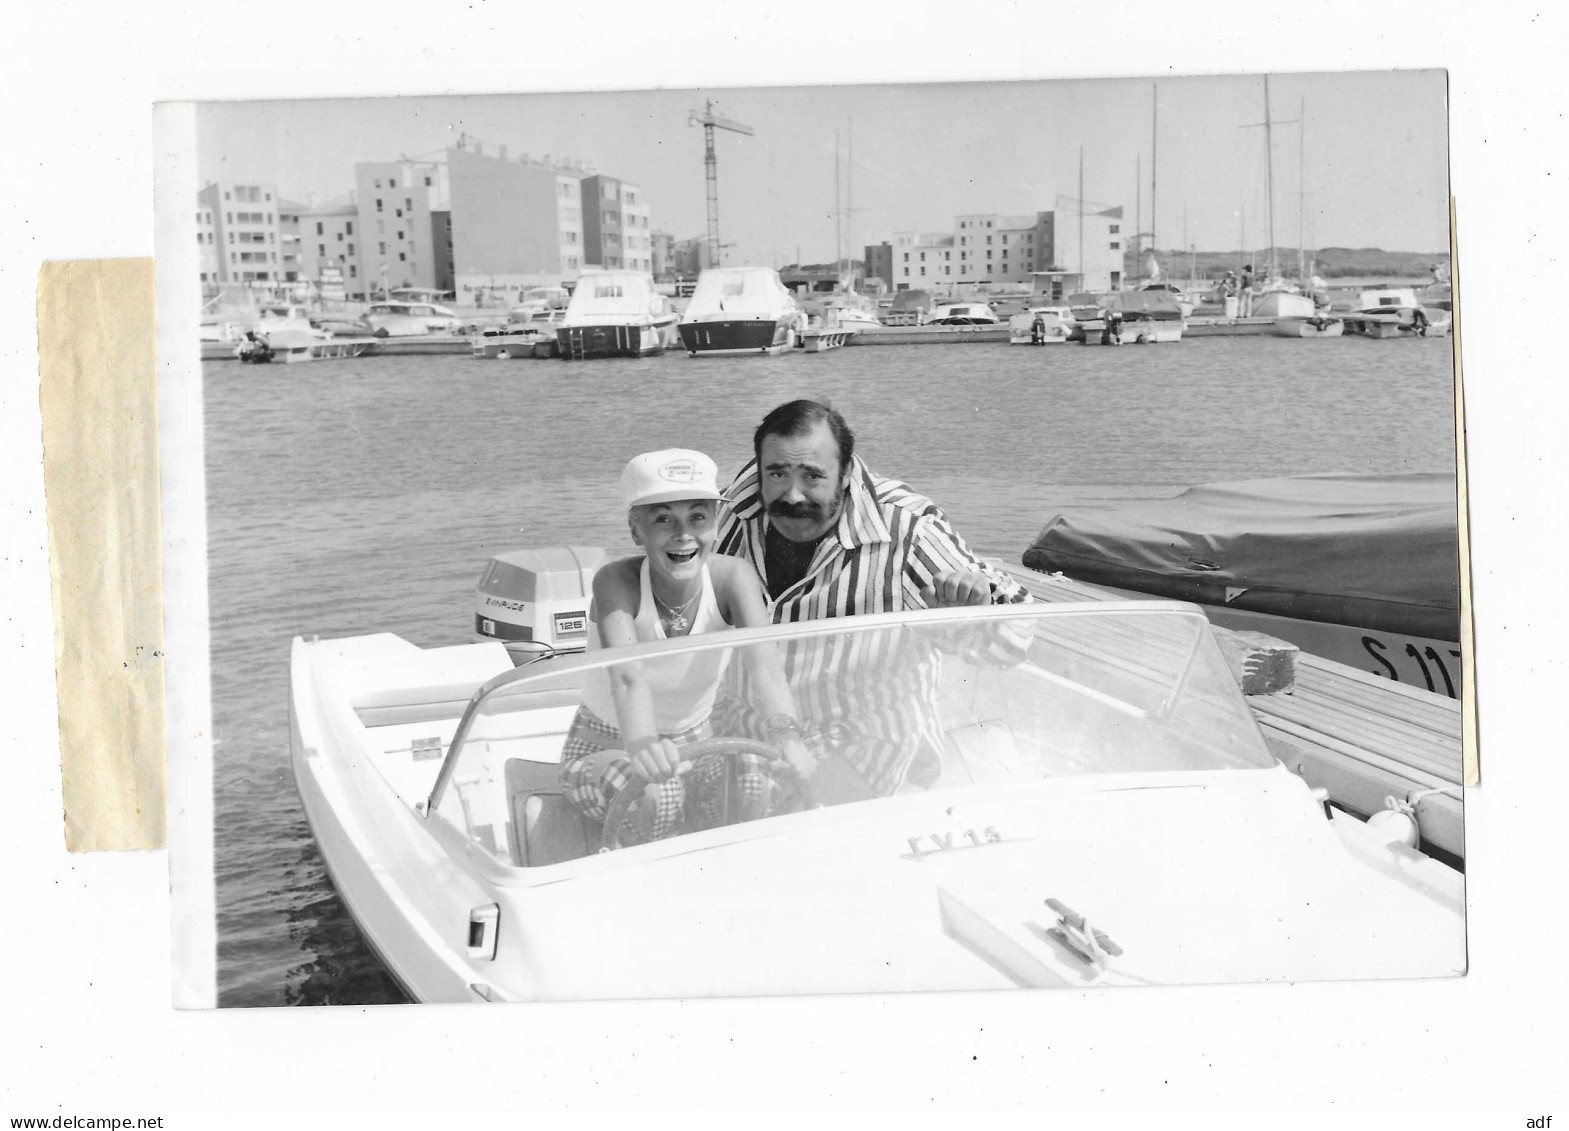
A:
1396	823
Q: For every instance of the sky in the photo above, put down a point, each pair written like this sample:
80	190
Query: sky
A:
1366	151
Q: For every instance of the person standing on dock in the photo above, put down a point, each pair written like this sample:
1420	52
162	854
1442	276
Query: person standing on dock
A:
829	537
1245	294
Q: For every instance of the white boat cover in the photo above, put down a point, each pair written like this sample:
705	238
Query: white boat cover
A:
1376	551
739	292
621	297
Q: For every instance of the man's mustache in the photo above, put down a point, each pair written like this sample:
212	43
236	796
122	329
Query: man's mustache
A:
804	509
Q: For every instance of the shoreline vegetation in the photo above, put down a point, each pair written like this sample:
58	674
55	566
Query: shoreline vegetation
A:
1329	263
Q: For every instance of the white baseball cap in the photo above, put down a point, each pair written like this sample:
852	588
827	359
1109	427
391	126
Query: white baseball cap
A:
668	475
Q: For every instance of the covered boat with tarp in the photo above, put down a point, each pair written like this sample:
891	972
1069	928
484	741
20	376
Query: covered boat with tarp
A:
1126	316
1363	569
909	308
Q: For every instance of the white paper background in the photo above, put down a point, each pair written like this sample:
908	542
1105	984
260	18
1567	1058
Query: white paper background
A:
87	1027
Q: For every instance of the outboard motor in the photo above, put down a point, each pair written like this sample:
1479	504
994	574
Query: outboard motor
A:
536	601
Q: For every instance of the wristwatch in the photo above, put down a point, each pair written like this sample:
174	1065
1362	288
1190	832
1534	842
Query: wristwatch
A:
781	724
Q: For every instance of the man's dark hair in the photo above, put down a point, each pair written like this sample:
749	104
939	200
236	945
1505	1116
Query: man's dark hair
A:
797	418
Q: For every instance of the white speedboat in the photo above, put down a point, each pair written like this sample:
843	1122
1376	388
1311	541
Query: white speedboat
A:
1395	312
850	310
616	314
1317	325
396	319
741	310
1103	811
963	314
531	334
1041	326
292	346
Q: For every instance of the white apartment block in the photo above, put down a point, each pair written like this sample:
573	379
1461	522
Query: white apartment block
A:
237	228
993	249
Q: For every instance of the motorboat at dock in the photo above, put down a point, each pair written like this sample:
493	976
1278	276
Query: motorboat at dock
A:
1041	326
1395	312
615	314
741	310
963	314
402	319
1317	325
1098	765
1120	317
293	346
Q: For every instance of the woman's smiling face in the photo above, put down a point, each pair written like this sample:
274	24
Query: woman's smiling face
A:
677	537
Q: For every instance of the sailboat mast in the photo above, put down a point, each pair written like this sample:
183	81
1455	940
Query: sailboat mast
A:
1082	279
1302	192
1154	138
1138	217
849	200
1269	162
1242	236
838	213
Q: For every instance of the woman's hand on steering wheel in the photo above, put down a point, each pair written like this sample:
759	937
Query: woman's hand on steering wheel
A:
798	757
654	759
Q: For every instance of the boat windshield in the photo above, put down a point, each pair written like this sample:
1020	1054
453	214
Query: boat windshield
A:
889	704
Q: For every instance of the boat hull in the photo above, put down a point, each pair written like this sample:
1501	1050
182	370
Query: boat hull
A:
609	340
505	346
1297	327
738	336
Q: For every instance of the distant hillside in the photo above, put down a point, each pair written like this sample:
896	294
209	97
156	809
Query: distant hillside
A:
1328	262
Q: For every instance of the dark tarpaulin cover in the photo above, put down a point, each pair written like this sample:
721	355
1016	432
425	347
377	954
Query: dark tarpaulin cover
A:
1375	551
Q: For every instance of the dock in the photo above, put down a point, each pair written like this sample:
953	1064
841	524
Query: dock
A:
1205	326
1359	737
930	335
367	347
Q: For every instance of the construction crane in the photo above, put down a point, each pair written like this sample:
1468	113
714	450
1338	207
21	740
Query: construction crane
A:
709	121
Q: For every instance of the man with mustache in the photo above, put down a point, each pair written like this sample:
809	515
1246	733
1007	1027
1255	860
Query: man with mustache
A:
829	537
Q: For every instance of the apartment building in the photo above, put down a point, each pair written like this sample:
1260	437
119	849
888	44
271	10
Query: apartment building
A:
513	224
395	201
616	230
992	248
330	238
237	228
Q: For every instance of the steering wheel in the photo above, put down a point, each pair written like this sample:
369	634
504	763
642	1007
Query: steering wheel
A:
797	794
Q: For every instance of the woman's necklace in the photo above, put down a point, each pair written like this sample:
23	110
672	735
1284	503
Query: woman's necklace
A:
676	617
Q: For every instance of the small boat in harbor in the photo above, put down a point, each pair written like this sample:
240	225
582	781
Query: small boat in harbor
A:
1041	326
1395	312
968	313
1316	325
1121	317
289	347
909	308
1360	569
741	310
615	314
398	319
526	334
1104	812
848	309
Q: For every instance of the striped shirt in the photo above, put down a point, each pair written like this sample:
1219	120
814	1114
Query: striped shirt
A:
869	697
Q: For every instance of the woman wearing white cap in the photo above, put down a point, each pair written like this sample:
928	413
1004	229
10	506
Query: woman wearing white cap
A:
634	719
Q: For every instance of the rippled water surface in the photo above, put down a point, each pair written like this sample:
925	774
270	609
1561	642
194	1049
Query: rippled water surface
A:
365	495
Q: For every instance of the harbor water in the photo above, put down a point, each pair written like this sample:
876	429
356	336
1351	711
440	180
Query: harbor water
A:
358	496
